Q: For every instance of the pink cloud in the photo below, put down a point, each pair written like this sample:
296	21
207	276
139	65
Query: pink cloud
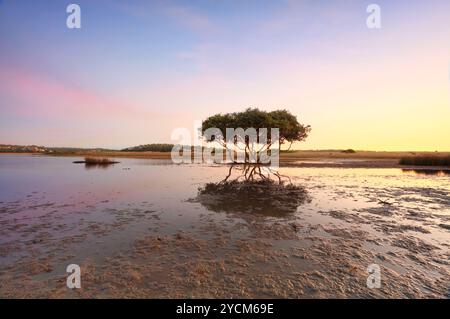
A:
40	94
75	116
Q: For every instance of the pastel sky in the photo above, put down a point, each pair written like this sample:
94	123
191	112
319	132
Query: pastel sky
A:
137	70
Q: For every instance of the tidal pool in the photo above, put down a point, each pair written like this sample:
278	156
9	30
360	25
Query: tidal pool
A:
139	229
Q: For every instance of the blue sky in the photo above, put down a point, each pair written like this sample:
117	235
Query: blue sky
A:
136	70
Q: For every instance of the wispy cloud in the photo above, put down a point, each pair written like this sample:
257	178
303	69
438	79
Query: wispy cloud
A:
188	17
55	97
183	15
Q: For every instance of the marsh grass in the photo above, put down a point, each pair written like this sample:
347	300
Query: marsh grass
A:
425	160
95	161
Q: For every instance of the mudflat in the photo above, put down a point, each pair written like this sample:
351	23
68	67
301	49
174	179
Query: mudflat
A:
146	228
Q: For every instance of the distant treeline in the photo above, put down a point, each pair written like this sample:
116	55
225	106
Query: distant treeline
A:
160	148
425	160
150	148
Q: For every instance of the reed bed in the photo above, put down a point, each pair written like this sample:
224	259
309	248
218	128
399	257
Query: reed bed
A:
425	160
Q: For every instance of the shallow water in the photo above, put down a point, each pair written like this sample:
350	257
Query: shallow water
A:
143	213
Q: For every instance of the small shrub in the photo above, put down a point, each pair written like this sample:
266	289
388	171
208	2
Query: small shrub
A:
95	161
425	160
98	161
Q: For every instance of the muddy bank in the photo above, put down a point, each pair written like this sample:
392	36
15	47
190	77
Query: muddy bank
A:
267	260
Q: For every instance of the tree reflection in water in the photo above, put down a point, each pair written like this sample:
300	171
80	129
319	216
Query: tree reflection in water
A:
257	189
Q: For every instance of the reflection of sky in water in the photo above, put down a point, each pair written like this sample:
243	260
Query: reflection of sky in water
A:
136	188
158	180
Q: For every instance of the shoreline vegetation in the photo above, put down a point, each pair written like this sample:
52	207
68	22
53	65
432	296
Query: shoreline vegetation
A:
426	160
96	161
303	158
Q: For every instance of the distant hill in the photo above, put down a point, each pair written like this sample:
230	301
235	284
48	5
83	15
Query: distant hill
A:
5	148
150	148
158	147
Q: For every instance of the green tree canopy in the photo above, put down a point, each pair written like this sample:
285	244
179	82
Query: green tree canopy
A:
290	130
